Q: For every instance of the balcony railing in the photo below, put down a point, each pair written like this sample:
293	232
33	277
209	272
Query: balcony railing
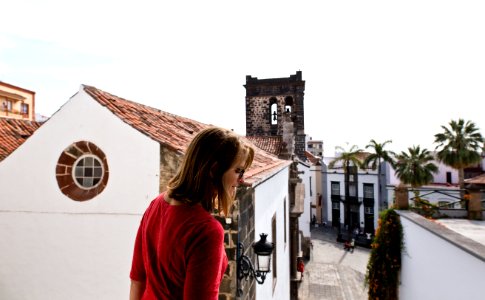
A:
13	113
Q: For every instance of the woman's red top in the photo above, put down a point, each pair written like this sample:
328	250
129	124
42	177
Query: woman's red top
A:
179	252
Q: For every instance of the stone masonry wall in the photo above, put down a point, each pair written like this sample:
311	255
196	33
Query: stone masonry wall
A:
258	107
244	211
169	163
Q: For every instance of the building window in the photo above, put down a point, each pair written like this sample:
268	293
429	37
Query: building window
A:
275	251
335	188
310	184
335	205
7	105
448	177
88	171
284	203
368	210
288	104
274	114
368	190
24	109
82	171
352	189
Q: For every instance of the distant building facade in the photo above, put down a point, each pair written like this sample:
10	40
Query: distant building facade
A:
315	147
354	202
16	102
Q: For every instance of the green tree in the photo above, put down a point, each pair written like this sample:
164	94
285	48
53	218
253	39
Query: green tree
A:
459	146
348	160
382	277
415	168
375	160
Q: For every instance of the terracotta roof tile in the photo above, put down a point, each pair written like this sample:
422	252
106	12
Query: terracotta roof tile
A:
170	130
312	158
480	179
14	133
176	132
271	144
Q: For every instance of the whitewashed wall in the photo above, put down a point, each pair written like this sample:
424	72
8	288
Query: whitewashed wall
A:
434	268
270	196
56	248
305	218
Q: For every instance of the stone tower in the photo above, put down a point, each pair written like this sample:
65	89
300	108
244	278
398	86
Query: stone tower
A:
271	103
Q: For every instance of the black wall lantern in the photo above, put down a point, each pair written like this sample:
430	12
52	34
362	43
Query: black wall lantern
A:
245	267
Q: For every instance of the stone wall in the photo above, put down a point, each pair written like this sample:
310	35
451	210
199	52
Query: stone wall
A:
262	93
245	289
169	163
228	288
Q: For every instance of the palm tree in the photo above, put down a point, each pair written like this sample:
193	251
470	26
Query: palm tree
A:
459	147
375	160
347	158
415	168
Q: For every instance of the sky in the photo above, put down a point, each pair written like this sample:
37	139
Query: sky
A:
382	70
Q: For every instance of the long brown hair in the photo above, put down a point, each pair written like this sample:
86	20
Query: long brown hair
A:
199	179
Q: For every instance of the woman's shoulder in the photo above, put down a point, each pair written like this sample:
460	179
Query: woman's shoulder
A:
156	204
205	221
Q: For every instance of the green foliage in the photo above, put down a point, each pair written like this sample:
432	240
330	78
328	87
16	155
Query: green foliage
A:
384	264
425	208
460	144
379	154
351	157
415	167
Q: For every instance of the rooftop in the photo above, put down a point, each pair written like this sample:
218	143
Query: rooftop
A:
472	229
14	133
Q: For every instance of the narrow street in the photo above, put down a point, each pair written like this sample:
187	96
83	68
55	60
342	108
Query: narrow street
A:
333	273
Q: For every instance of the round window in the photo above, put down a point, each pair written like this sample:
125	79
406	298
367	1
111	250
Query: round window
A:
87	172
82	171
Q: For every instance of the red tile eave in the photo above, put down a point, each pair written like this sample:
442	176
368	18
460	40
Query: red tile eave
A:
271	144
14	133
480	179
256	175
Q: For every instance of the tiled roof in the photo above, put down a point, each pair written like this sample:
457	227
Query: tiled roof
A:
480	179
174	131
312	158
170	130
271	144
13	133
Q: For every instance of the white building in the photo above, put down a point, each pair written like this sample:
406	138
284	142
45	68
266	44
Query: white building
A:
68	234
363	195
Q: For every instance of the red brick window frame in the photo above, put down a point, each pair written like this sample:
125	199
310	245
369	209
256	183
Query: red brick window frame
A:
82	171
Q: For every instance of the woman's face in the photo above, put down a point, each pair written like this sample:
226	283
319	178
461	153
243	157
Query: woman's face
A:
232	177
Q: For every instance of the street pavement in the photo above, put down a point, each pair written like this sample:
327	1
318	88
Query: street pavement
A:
333	273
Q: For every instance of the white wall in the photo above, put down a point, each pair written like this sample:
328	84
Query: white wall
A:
433	268
56	248
305	218
269	199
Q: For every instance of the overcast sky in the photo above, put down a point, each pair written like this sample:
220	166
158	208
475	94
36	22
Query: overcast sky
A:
378	70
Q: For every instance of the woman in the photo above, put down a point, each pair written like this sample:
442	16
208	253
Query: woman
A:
179	249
